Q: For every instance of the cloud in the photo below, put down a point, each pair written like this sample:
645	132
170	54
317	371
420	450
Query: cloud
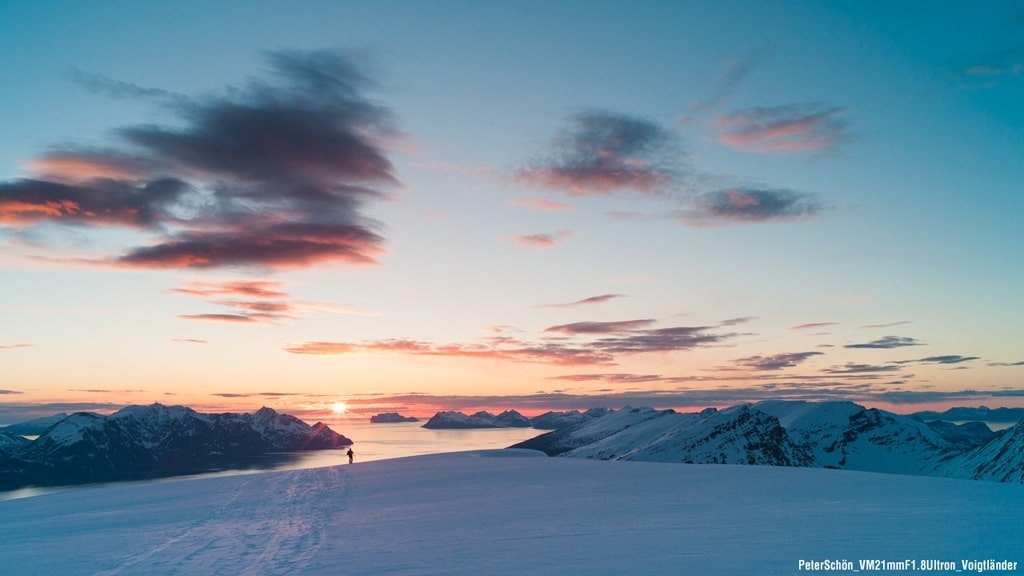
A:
855	368
231	318
245	288
889	325
250	301
1021	363
541	204
748	205
602	152
784	129
15	346
947	359
272	174
625	339
775	361
987	70
2	391
600	327
189	341
813	325
592	300
542	240
734	73
887	342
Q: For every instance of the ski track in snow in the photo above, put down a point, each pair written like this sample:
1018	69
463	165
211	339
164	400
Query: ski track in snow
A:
249	533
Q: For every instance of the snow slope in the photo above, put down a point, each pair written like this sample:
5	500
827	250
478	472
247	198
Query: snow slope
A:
510	512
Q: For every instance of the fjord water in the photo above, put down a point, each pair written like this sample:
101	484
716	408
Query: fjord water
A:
370	442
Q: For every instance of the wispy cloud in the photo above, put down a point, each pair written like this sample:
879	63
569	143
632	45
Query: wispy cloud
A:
784	129
775	361
542	240
855	368
1021	363
813	325
15	346
889	325
251	301
887	342
541	204
272	174
585	343
600	327
602	152
2	391
749	205
732	75
189	341
944	359
592	300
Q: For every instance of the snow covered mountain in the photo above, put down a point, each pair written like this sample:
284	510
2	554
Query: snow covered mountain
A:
33	427
481	419
154	441
839	435
556	420
1001	459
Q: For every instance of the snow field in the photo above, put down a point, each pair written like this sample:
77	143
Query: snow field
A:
521	513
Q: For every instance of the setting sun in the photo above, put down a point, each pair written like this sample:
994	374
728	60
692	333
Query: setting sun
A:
339	408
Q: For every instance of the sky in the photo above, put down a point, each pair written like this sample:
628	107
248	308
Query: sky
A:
417	206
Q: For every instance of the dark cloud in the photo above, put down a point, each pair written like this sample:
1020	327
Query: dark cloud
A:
785	129
947	359
854	368
592	300
887	342
271	174
602	152
600	327
1021	363
775	361
748	205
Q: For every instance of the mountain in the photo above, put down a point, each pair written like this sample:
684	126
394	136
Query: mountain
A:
155	441
33	427
392	417
482	419
967	435
556	420
839	435
979	414
738	435
1001	459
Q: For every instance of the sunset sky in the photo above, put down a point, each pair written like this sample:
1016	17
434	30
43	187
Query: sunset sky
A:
416	206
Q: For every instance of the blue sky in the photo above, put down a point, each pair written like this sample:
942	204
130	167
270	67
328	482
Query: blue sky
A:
412	205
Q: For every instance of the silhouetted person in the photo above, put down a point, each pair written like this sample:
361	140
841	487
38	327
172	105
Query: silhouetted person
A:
351	454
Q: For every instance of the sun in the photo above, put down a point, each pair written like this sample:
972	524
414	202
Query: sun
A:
339	408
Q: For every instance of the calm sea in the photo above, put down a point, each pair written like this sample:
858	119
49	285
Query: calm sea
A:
371	442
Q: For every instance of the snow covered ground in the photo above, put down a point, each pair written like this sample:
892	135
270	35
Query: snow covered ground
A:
511	512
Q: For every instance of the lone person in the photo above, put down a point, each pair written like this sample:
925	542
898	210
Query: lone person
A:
350	454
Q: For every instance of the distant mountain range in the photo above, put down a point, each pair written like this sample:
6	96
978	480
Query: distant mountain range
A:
392	418
979	414
840	435
153	441
512	419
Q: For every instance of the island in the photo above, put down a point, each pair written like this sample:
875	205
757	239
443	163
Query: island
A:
391	418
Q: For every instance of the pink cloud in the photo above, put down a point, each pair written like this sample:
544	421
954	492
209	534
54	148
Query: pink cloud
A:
783	129
542	240
541	204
